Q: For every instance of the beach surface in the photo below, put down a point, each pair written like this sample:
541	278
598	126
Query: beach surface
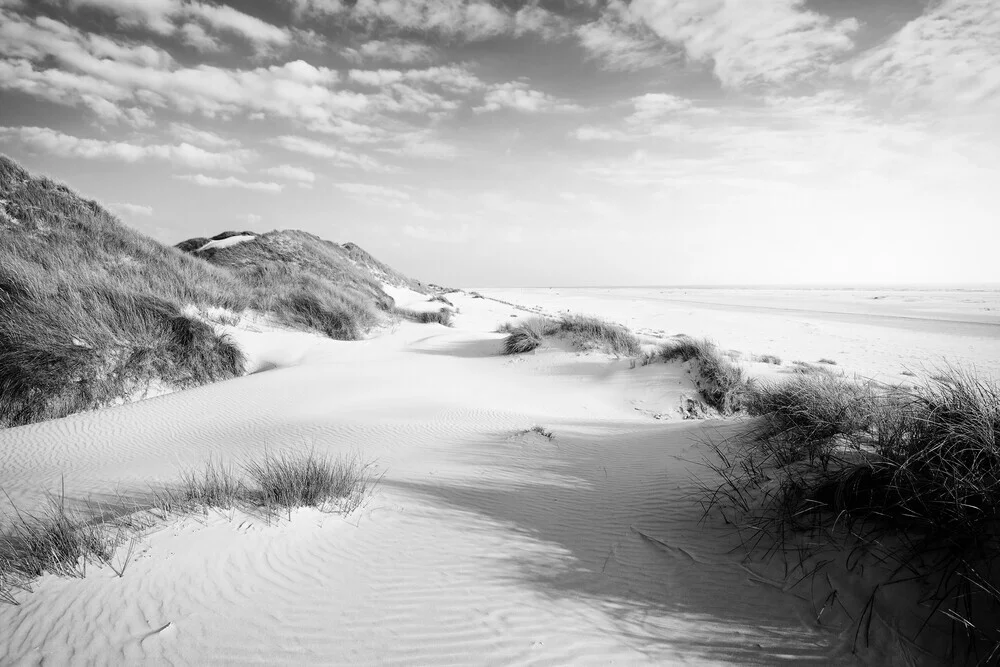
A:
486	542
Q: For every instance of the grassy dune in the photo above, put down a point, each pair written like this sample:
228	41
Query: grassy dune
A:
93	312
583	330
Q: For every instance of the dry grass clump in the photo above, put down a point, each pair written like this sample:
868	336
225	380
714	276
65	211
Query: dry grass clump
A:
282	482
918	468
595	332
442	316
527	335
721	383
585	331
62	541
767	359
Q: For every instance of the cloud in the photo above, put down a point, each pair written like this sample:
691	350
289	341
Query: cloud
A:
520	96
225	18
949	56
291	173
131	209
374	191
393	50
184	154
94	70
203	138
623	43
752	41
230	182
336	156
152	14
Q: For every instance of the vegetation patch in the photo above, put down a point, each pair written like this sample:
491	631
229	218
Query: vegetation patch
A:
767	359
585	331
442	316
721	383
909	477
63	541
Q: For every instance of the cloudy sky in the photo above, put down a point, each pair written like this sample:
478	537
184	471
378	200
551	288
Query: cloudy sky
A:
522	142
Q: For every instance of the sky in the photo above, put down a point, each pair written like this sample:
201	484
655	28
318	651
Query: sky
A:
533	142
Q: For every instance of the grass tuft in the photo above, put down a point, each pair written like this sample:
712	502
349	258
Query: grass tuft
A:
721	383
767	359
585	331
442	316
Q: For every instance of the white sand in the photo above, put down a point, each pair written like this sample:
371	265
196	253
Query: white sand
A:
227	242
482	545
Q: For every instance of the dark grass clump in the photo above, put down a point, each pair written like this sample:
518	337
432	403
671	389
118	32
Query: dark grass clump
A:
908	475
290	481
527	335
829	362
540	430
721	383
767	359
442	316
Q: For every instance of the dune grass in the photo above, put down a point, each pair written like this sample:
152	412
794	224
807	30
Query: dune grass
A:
442	316
63	541
721	384
585	331
92	312
917	468
767	359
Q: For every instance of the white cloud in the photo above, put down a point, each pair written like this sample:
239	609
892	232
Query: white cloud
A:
153	14
131	209
334	155
374	191
203	138
949	56
521	97
394	50
225	18
184	154
621	42
230	182
92	70
751	41
292	173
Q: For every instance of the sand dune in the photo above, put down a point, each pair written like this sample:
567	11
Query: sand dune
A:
485	544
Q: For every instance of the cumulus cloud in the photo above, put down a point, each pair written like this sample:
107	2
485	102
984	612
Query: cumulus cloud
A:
291	173
519	96
752	41
57	143
230	182
331	154
123	208
622	42
199	137
950	56
393	50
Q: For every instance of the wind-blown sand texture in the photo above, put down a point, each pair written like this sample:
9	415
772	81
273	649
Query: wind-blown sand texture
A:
486	543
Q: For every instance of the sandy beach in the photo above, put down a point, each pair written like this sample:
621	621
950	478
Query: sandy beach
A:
486	543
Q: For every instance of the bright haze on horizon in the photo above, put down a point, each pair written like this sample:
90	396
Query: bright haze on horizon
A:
533	143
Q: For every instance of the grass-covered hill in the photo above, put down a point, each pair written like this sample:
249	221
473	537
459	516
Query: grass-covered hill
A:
93	312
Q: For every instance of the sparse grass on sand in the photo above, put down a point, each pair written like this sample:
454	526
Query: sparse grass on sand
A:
721	383
583	330
442	316
63	541
767	359
910	476
540	430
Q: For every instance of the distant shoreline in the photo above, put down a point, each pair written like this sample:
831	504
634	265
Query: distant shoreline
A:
846	287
